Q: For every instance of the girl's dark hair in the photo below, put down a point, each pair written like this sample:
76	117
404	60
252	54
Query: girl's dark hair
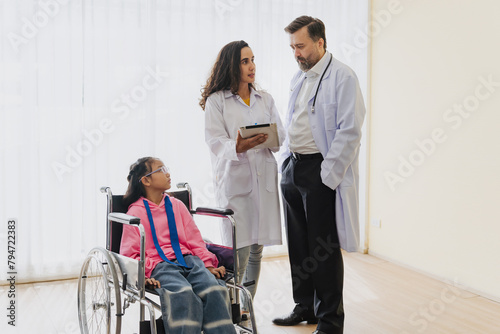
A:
225	72
315	28
135	188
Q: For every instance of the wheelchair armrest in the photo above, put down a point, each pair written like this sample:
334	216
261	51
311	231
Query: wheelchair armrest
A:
124	218
214	211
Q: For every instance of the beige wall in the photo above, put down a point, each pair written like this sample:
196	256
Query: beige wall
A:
434	140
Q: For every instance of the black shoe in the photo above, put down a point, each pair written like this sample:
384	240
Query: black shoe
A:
319	332
293	319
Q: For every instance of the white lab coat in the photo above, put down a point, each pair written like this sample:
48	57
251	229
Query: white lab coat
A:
245	182
336	128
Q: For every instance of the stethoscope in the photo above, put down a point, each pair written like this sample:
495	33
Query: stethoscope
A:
319	83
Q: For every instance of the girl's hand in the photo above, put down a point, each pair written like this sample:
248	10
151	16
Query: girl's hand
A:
152	283
243	145
217	272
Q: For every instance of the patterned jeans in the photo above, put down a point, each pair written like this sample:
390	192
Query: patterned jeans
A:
192	299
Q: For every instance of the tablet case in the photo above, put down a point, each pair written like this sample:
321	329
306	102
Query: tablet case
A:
269	128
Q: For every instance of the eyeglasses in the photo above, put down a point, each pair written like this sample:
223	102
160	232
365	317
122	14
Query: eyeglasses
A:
163	169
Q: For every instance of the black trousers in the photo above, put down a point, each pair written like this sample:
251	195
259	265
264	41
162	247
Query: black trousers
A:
313	244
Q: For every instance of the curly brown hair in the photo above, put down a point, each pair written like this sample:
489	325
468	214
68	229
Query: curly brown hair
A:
225	73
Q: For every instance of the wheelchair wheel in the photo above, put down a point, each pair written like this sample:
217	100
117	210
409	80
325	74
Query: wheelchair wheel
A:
99	300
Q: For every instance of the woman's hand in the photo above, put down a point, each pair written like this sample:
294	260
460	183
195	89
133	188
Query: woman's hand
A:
152	283
244	144
217	272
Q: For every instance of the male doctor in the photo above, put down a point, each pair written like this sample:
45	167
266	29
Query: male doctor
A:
320	177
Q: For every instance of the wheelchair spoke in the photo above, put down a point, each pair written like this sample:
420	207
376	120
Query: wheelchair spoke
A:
97	296
97	307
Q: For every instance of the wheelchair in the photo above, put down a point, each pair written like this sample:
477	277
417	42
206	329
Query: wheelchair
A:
109	282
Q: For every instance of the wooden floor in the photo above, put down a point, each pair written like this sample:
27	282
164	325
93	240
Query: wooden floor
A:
379	297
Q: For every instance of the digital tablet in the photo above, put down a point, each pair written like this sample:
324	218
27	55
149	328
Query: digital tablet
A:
268	128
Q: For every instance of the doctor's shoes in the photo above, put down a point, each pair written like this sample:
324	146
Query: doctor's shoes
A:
293	319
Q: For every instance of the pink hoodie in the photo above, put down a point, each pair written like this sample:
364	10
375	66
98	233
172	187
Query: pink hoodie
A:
190	238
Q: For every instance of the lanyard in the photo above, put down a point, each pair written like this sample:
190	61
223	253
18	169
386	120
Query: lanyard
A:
174	238
319	83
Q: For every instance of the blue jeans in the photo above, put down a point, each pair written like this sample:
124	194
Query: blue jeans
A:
192	299
249	260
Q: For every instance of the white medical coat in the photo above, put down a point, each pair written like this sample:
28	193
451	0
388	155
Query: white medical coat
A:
336	128
245	182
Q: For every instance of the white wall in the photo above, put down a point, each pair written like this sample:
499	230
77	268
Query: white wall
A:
440	209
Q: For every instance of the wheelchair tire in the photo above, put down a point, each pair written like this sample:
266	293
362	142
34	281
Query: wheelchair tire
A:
99	299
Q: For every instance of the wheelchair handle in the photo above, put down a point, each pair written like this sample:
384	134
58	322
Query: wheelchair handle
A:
214	211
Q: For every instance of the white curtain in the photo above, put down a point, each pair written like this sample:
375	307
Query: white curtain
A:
89	86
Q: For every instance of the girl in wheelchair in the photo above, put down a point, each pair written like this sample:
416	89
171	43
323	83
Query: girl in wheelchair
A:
177	261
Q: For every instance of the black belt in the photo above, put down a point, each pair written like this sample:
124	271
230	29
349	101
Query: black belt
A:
298	156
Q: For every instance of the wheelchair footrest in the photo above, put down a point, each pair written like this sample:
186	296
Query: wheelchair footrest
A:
145	327
236	313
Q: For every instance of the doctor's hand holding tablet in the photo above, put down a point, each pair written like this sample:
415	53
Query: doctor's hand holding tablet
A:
245	144
259	136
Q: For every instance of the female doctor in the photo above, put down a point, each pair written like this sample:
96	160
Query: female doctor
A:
245	178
